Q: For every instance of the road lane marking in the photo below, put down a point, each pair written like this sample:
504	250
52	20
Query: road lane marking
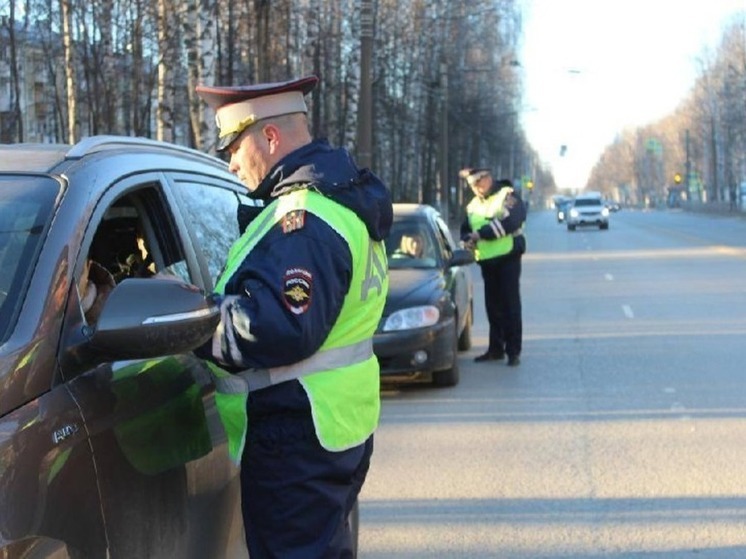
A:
712	251
627	310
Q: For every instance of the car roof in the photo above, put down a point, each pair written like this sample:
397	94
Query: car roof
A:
409	210
587	195
44	158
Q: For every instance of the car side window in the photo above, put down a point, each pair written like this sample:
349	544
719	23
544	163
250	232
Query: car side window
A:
446	239
134	238
218	207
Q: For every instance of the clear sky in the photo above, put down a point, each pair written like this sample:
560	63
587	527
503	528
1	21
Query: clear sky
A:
592	68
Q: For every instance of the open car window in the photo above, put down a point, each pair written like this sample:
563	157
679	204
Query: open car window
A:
135	238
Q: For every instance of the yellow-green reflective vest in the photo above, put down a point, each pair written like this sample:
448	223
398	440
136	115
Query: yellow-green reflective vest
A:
481	211
342	378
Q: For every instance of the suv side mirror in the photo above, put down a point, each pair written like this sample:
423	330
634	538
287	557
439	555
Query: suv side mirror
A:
152	317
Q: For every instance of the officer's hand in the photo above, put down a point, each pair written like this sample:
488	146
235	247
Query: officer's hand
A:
468	244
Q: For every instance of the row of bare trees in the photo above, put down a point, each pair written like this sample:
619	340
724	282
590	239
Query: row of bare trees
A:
697	155
441	69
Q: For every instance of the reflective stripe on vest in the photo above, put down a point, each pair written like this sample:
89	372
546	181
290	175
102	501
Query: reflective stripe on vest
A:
342	378
230	401
255	379
483	210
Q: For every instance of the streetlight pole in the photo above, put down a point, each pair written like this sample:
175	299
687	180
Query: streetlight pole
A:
688	173
445	188
365	110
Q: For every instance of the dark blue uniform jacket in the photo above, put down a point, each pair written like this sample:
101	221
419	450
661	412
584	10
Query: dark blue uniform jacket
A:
263	326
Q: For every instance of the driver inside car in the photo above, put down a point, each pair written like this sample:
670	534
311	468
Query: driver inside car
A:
412	245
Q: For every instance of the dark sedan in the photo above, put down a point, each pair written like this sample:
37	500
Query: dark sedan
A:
428	313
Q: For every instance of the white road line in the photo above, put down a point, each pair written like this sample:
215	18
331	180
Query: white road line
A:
627	310
609	277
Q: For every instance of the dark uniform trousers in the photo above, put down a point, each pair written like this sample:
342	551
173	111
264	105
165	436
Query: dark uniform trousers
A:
502	297
283	461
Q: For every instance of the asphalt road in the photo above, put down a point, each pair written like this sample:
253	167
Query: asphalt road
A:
623	432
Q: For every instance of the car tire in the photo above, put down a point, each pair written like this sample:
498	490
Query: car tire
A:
570	227
449	377
603	226
464	340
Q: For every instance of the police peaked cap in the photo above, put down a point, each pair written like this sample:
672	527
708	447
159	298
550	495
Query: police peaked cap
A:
473	175
238	107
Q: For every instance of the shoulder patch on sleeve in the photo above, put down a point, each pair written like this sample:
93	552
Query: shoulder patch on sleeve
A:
293	221
296	288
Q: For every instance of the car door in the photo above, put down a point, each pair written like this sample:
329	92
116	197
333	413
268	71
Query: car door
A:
167	486
457	277
224	210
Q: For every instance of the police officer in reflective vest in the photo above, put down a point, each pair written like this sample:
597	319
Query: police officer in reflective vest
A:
493	228
301	295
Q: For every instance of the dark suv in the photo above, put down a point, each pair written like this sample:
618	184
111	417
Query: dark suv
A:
110	442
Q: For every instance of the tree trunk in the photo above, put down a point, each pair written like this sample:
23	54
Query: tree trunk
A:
263	39
15	129
164	100
200	43
68	45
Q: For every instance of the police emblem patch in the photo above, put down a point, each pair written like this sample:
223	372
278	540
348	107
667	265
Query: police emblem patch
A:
296	290
292	221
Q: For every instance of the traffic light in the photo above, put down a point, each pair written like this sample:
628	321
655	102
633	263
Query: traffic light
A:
677	178
530	184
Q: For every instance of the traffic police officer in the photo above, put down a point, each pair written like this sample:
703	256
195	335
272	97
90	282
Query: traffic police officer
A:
493	228
300	296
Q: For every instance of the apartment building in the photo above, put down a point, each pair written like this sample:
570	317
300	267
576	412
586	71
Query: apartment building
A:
35	106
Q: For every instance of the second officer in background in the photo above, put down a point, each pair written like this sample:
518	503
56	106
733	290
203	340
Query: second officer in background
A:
493	228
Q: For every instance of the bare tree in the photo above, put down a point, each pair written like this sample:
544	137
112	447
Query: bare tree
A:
107	66
704	140
263	39
200	43
166	71
66	13
15	125
438	66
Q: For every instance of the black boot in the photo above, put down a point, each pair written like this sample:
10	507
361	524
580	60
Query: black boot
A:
490	356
